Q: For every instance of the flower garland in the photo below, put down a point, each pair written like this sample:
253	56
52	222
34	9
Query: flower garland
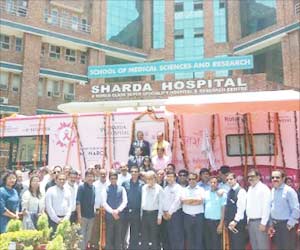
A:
153	117
240	138
270	144
70	143
275	146
102	236
113	137
245	124
182	141
109	140
44	143
297	143
79	147
212	132
37	143
252	146
220	139
280	143
174	139
104	140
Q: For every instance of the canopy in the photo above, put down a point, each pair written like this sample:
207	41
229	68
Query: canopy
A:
262	101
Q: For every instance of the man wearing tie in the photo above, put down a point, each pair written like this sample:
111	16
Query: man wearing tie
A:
136	160
140	142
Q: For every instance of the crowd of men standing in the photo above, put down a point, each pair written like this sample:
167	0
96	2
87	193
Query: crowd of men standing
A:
151	206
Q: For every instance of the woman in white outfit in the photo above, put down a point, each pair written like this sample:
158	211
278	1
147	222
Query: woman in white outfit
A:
33	203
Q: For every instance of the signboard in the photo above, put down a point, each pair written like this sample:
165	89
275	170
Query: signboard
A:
149	90
152	68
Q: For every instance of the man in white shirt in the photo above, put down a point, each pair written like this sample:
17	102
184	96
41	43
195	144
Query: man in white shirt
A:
58	202
151	205
114	201
73	187
258	211
193	213
123	175
172	212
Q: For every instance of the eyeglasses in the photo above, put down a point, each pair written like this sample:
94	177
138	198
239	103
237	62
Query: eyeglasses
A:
182	175
276	177
251	176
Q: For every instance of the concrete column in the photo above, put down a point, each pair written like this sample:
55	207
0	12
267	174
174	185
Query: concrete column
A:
30	75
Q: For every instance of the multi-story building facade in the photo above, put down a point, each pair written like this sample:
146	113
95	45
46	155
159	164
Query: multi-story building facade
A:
46	46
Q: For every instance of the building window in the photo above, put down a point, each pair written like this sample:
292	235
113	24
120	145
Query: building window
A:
179	7
158	24
220	21
124	22
4	42
198	5
19	44
198	32
53	88
83	57
4	76
41	87
70	55
268	61
84	24
179	34
54	17
69	90
75	21
54	52
256	15
263	144
16	83
43	49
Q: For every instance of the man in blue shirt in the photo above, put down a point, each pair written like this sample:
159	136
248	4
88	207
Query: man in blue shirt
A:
132	212
214	206
85	202
284	213
204	179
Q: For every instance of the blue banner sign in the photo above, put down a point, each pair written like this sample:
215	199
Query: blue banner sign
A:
152	68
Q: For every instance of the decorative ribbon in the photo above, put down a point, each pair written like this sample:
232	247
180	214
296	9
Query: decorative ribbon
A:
212	132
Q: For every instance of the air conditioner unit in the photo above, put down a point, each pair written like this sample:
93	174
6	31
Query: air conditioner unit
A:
15	89
297	8
3	100
3	87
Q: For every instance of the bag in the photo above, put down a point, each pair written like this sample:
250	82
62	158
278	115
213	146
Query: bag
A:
27	222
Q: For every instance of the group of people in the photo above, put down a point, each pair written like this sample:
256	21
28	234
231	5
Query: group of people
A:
151	206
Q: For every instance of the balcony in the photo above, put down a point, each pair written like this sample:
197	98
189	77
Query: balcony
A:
14	8
78	25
